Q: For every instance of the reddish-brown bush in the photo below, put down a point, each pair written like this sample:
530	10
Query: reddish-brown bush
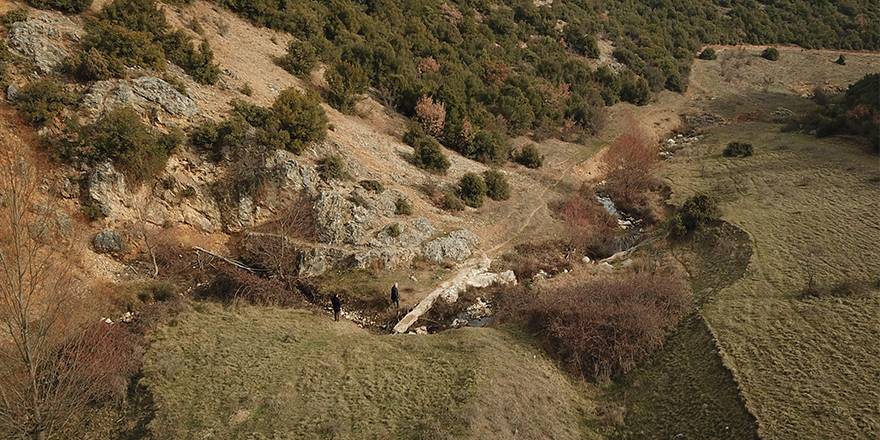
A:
232	284
628	167
431	115
601	327
428	65
590	228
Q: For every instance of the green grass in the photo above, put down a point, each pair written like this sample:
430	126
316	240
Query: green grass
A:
684	389
807	368
271	373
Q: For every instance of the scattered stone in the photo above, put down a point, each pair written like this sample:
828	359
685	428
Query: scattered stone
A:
108	241
586	260
421	330
605	266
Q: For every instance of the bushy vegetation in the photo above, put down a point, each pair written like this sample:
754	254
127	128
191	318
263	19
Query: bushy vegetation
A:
66	6
497	187
855	112
300	58
40	101
347	82
529	156
13	16
297	118
628	166
118	136
695	212
589	228
332	167
402	206
135	33
428	153
708	54
372	186
738	149
770	53
472	190
602	327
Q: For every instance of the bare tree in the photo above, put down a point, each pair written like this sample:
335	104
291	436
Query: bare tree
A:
52	364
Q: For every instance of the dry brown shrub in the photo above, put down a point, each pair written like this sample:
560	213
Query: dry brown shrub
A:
628	166
451	13
590	228
551	257
431	115
232	285
428	65
275	246
602	327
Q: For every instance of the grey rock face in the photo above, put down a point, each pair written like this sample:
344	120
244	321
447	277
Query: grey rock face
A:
141	94
291	175
39	39
341	221
108	241
456	246
106	189
12	91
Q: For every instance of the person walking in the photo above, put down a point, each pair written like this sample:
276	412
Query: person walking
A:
395	296
336	303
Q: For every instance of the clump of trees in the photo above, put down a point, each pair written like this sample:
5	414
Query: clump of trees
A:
497	187
427	152
472	190
300	58
529	156
708	54
857	112
697	211
65	6
135	33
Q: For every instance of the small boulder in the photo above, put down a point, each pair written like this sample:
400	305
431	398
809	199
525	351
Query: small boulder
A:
108	241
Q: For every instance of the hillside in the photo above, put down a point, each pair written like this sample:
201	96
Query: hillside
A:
209	174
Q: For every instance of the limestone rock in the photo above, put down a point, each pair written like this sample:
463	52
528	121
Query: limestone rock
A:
106	190
40	39
456	246
291	175
141	94
341	221
108	241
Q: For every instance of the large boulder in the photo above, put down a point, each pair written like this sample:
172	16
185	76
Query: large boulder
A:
108	241
340	221
40	39
142	94
456	246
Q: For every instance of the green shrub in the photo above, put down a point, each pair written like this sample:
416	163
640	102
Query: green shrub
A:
199	64
635	90
301	117
93	65
246	89
708	54
121	137
137	15
122	45
40	101
675	226
497	187
372	186
332	167
428	154
770	53
65	6
402	206
488	147
220	138
347	82
451	202
14	16
300	59
697	211
472	190
529	156
738	149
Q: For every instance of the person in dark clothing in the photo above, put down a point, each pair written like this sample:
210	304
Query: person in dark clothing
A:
336	303
395	296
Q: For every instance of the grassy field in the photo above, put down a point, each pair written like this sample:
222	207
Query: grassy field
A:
808	368
271	373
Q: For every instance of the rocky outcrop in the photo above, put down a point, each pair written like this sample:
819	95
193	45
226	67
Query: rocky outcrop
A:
40	39
106	191
340	221
456	246
395	245
108	241
142	94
